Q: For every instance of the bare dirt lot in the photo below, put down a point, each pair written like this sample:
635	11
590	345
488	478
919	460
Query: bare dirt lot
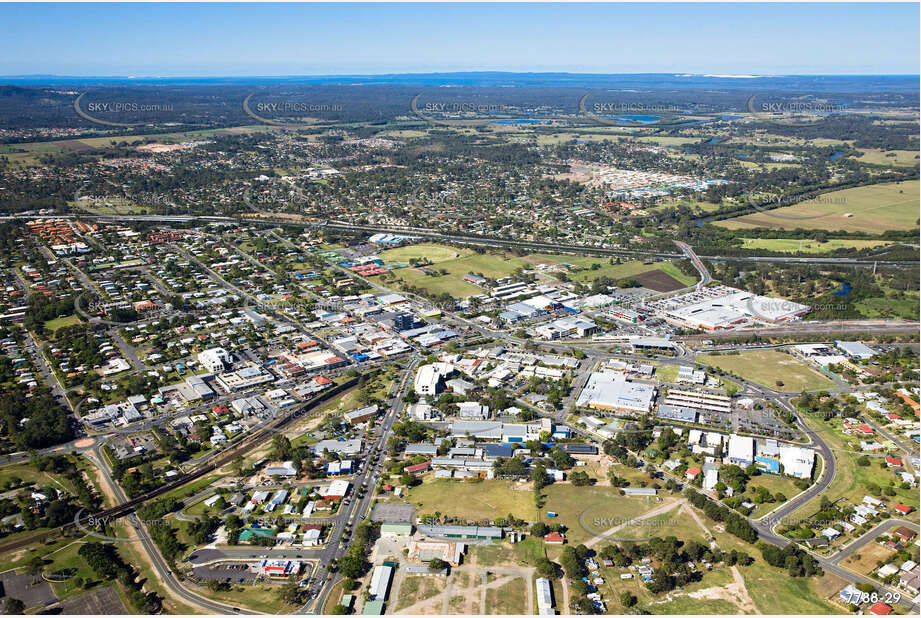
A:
658	281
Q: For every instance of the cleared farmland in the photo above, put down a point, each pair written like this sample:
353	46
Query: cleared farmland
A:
873	209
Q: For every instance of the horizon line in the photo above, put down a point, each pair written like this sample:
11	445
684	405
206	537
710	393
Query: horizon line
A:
712	75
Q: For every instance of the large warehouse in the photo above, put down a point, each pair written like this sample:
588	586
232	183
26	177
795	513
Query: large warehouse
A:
612	391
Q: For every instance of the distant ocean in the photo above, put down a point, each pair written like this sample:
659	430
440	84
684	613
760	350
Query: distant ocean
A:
672	81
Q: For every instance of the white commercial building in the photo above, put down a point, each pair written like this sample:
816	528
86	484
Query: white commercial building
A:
380	583
797	461
607	391
741	450
429	378
215	360
855	349
729	307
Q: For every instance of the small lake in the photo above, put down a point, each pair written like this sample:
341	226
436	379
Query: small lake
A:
834	156
714	140
843	290
640	119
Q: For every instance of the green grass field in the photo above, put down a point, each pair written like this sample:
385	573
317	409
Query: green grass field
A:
590	505
606	269
906	158
472	501
792	245
875	209
767	366
55	324
433	252
489	265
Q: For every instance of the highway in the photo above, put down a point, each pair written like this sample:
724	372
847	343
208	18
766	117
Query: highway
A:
705	277
480	240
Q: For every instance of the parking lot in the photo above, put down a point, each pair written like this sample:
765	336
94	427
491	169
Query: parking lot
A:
32	590
232	573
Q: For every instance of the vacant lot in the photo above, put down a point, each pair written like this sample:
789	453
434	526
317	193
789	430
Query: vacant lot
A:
509	598
874	209
588	512
867	558
472	501
792	245
416	589
587	268
55	324
767	367
658	280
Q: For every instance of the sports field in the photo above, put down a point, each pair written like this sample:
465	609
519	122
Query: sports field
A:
433	252
792	245
488	264
767	367
874	209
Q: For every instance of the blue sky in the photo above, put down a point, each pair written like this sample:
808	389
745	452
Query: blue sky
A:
316	39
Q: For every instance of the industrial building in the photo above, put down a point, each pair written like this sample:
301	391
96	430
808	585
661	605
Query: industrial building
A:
461	532
544	596
380	582
606	391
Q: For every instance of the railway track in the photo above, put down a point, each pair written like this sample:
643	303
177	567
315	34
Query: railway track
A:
244	445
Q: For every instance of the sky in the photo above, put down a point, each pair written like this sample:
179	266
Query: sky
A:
186	40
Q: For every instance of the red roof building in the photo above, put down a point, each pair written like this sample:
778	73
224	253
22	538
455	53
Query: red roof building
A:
906	534
864	429
893	461
425	466
692	473
322	380
554	538
904	509
880	609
